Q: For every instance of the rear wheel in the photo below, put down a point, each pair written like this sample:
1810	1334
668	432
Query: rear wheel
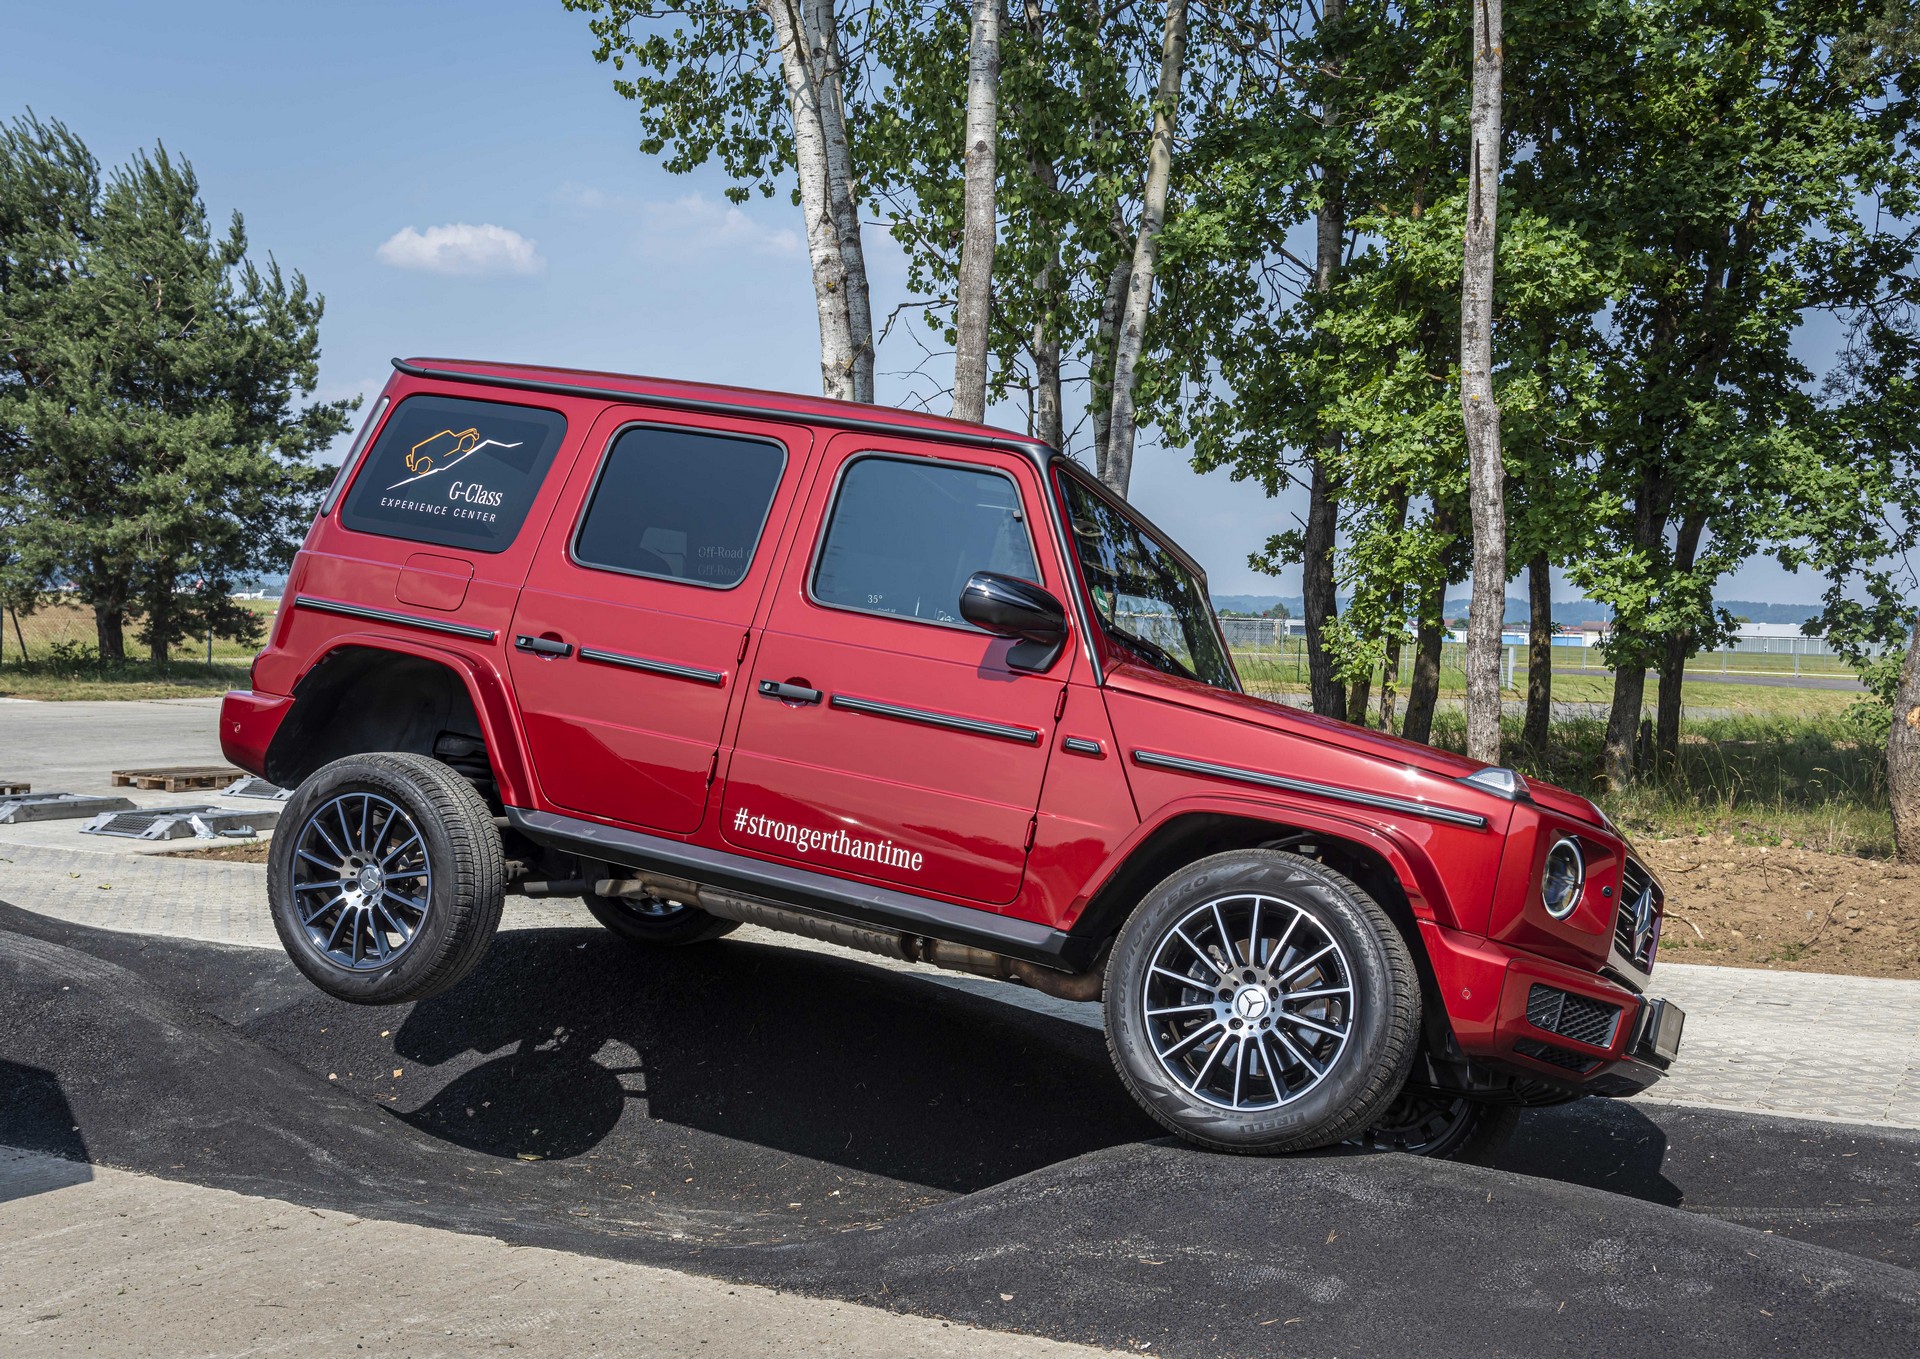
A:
655	922
1260	1002
386	878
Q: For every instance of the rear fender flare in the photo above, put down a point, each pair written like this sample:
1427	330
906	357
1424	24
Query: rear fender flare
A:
487	690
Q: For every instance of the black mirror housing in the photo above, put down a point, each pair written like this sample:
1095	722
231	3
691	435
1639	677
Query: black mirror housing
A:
1007	606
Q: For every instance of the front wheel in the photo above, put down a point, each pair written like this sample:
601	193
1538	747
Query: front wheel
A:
1444	1126
1260	1002
386	878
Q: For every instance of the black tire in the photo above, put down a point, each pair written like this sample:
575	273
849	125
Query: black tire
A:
1376	1024
655	922
458	856
1444	1126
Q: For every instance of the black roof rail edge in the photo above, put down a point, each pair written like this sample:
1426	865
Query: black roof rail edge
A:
1036	449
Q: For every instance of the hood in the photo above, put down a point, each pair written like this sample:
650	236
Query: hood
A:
1245	708
1261	712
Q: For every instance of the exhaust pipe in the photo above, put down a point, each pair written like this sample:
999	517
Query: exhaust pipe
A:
911	948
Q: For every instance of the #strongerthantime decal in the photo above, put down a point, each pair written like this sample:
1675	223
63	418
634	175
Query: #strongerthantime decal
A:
833	842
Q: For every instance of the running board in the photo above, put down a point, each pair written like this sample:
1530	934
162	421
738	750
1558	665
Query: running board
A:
797	889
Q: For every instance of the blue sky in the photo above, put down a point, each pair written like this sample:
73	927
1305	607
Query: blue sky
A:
337	126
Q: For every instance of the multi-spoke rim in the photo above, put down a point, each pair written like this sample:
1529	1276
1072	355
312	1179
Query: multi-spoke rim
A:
1248	1002
362	881
649	908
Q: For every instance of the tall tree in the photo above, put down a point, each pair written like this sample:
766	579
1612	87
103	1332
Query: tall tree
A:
981	224
1486	474
1130	337
762	88
157	436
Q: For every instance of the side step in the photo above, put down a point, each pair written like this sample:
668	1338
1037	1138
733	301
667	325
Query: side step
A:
912	948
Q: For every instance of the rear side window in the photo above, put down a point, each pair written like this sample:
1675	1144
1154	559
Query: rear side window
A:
905	535
680	504
453	472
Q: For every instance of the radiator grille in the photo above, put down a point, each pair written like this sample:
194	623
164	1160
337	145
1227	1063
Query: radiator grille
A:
1577	1017
1636	928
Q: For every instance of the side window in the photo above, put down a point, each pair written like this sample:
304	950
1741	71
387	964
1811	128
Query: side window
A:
904	536
680	504
453	472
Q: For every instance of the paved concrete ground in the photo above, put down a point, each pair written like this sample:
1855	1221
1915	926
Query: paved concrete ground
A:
218	1273
1799	1043
72	747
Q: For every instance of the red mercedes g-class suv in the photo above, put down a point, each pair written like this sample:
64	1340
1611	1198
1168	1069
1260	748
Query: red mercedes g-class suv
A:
703	656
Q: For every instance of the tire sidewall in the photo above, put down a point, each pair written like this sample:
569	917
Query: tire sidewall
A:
413	974
1346	1097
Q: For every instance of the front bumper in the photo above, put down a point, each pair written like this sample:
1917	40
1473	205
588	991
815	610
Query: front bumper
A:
1547	1021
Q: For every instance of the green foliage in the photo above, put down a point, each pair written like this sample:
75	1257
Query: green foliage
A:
155	452
706	81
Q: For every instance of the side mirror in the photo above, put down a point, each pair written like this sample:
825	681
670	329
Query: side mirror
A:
1007	606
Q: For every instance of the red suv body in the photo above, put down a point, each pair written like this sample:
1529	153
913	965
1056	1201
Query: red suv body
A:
711	639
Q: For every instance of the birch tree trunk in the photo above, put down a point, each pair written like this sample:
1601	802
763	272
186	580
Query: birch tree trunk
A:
1903	758
1485	474
806	35
977	220
1322	606
1146	252
1048	422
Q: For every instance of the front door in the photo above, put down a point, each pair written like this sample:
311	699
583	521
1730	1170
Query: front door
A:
626	644
884	737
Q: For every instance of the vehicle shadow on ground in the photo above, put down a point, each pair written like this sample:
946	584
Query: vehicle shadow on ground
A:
563	1038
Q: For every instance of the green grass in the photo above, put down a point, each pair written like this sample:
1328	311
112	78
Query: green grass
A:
1814	779
52	681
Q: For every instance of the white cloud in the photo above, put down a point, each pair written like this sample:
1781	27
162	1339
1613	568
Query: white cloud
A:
458	248
696	221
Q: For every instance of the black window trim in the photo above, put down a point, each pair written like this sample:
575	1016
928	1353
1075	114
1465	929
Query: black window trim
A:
339	507
922	460
606	460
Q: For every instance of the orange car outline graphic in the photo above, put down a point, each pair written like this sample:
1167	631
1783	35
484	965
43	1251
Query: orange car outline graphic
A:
434	454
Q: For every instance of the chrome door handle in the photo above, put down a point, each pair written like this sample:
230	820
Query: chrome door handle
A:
788	693
541	646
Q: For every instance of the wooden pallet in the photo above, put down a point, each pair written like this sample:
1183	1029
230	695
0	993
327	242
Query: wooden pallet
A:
8	787
176	778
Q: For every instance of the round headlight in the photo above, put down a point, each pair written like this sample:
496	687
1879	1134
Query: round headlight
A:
1563	877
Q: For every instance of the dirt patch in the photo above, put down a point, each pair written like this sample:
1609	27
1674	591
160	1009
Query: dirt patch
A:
1786	907
246	852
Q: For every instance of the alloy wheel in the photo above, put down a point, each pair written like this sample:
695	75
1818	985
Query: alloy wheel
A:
362	880
1248	1002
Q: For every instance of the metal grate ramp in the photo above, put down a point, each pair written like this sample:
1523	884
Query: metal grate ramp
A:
182	823
250	785
18	810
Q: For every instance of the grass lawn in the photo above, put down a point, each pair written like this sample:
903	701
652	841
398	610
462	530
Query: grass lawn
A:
49	681
61	661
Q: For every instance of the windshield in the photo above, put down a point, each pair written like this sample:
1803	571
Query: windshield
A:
1147	599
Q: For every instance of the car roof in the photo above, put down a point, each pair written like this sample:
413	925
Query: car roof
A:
719	397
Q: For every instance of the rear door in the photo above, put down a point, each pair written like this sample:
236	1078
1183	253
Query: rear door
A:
626	644
886	738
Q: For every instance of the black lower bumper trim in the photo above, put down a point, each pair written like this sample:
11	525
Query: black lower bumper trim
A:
1651	1050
